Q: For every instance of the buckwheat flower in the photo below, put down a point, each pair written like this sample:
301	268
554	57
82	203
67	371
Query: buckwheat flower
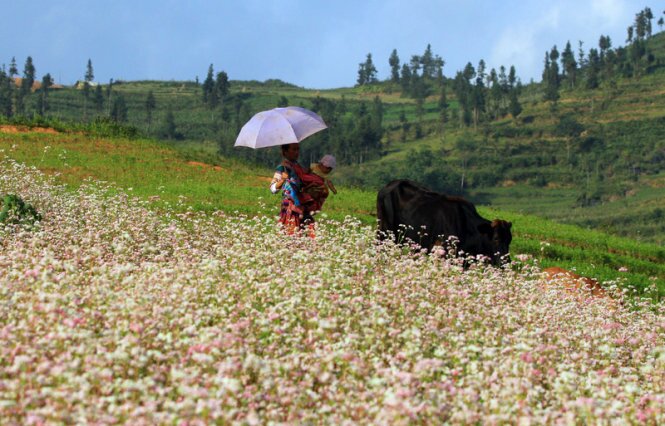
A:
212	331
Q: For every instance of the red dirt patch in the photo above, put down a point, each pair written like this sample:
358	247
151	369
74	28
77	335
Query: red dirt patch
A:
204	165
583	288
5	128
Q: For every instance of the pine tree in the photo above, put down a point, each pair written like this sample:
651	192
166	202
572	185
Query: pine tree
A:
415	65
637	52
87	79
569	65
515	106
393	61
362	75
581	61
43	105
6	94
367	71
638	33
89	73
648	15
438	67
208	85
552	79
469	72
478	97
629	37
405	80
13	69
119	109
28	75
607	56
592	69
480	73
222	86
26	85
427	62
504	84
463	90
512	77
496	95
604	43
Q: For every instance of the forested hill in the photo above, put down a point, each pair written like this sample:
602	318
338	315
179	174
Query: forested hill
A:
586	144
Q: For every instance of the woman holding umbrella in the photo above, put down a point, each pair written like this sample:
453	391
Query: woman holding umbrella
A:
294	213
285	127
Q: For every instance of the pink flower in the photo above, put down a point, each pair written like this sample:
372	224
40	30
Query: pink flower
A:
241	325
526	357
199	347
34	273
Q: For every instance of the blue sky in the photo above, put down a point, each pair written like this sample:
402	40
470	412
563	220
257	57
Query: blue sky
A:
316	44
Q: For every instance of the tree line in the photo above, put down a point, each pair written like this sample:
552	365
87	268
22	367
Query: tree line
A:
23	96
488	95
601	64
356	128
482	95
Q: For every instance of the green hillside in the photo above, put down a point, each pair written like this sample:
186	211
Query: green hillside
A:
593	155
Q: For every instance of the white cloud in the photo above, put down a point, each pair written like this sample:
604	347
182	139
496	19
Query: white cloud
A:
522	44
612	12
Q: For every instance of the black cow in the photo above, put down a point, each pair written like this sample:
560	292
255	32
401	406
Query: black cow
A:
407	210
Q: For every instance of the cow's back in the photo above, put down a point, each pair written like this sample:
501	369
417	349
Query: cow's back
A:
392	199
409	210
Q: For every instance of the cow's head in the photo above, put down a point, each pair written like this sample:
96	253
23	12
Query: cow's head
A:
499	236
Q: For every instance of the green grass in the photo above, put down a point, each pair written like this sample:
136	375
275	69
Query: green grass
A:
194	177
638	216
590	253
170	171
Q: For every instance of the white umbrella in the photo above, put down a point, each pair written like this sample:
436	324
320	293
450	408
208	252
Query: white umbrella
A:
279	126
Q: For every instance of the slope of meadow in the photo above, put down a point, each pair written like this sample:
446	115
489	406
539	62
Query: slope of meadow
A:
114	312
171	178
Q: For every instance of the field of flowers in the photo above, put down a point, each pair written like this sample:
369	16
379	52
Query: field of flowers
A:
114	312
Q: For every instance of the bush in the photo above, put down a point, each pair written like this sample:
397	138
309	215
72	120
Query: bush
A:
104	126
13	210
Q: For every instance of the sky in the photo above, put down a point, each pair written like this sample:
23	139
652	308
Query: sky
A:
316	44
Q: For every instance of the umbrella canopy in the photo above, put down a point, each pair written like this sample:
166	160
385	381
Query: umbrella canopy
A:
279	126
